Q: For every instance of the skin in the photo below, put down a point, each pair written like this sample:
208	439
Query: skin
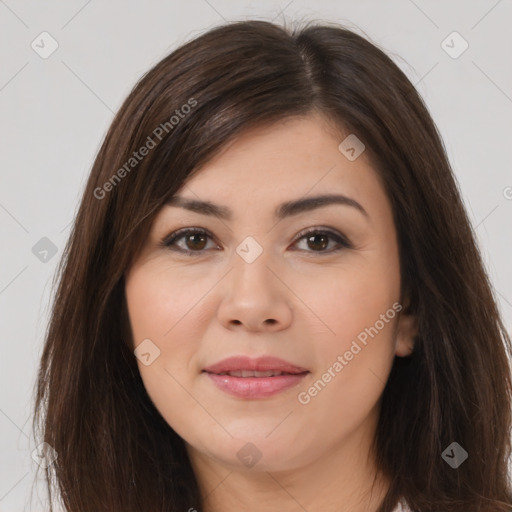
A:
203	308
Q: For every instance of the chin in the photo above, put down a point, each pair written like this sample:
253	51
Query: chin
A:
256	452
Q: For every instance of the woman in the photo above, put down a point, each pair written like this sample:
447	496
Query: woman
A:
272	298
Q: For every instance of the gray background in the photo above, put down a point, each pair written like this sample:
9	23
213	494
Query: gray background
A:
54	113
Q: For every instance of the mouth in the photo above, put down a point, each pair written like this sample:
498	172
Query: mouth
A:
248	378
252	373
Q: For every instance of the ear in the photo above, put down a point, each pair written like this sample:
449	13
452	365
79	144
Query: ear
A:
406	331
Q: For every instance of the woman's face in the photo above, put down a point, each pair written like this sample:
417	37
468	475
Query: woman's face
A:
256	285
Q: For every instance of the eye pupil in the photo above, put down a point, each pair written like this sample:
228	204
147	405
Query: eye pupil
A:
315	238
196	238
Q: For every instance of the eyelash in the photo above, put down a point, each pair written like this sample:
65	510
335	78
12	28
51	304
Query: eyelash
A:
169	240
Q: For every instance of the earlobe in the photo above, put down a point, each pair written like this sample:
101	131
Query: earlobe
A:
407	331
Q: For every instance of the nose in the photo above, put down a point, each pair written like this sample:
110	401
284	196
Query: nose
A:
254	297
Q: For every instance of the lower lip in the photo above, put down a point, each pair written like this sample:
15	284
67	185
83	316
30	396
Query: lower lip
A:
255	387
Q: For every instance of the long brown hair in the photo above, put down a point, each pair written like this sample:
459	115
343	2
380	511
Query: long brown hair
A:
115	451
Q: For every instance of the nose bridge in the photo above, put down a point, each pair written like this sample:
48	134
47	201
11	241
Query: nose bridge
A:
252	261
253	295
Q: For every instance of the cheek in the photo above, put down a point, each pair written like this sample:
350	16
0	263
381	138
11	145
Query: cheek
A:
358	310
353	364
155	307
160	315
347	300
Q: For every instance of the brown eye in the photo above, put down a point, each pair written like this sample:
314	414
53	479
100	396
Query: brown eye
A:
192	241
318	240
196	241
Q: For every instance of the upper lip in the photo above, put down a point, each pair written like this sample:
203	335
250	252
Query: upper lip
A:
265	363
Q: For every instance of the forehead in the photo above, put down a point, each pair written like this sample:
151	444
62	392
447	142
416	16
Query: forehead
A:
292	158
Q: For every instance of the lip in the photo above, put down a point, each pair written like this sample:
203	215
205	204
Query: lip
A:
255	387
264	363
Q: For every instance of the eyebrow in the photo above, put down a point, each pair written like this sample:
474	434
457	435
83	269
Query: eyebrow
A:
286	209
